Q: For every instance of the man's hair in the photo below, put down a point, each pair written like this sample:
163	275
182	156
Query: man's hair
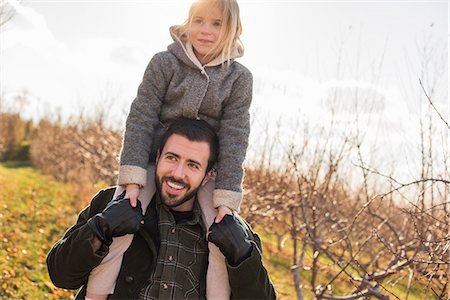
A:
194	131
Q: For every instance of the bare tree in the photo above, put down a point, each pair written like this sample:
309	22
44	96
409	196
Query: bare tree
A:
360	241
378	239
6	12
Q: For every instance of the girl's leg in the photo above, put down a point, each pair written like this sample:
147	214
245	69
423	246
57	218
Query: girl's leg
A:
102	279
217	285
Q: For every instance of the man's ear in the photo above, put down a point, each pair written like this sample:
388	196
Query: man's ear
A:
211	175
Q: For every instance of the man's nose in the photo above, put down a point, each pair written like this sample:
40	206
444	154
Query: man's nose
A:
178	171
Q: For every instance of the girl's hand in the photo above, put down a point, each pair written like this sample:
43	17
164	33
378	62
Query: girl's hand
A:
132	193
221	212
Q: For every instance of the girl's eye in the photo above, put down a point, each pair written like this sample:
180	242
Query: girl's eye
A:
197	21
217	24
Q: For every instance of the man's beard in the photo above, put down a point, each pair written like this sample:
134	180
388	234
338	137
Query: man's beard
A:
166	198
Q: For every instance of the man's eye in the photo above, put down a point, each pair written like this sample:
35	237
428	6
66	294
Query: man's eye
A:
194	166
170	157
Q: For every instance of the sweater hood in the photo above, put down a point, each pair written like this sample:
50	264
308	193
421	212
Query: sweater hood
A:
186	52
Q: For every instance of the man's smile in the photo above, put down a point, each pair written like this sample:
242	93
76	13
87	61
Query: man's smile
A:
173	186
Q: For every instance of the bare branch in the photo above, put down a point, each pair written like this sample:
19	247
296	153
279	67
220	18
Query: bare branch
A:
431	102
363	294
6	12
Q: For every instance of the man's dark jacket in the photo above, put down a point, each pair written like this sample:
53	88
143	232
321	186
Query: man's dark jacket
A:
72	258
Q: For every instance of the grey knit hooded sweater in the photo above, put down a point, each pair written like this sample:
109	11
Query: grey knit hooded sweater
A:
176	85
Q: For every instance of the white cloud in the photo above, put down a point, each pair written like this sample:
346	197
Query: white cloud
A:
67	77
290	95
109	51
380	113
98	59
29	28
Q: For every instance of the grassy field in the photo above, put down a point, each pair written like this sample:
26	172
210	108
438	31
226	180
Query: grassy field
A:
36	211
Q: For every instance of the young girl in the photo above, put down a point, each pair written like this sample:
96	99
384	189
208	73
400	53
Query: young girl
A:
196	78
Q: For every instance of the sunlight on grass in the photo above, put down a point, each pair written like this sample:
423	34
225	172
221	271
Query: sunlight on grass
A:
36	211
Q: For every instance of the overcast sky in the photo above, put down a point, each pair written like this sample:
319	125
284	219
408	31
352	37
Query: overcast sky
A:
76	54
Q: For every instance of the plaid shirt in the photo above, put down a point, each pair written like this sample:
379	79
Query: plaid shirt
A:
182	258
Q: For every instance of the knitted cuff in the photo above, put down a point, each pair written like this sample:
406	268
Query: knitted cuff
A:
227	198
132	175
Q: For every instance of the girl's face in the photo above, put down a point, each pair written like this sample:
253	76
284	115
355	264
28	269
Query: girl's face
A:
204	31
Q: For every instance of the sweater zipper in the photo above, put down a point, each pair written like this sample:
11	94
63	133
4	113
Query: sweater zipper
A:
203	72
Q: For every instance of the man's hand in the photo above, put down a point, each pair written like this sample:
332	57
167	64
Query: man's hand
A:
132	193
117	219
231	238
222	211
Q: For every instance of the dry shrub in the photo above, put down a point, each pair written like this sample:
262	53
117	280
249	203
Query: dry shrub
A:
77	151
7	138
13	131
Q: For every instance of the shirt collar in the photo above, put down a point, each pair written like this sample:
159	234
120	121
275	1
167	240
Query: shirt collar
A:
196	219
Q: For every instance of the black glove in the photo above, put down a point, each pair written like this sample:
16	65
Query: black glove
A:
117	219
231	238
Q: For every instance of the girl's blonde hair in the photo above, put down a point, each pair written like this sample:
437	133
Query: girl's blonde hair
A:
229	37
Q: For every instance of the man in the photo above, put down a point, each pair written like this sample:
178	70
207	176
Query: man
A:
168	256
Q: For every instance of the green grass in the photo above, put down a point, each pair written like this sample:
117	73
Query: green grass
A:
16	164
36	211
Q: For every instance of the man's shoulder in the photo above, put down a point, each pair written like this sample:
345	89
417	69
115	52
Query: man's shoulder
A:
101	199
244	223
251	234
